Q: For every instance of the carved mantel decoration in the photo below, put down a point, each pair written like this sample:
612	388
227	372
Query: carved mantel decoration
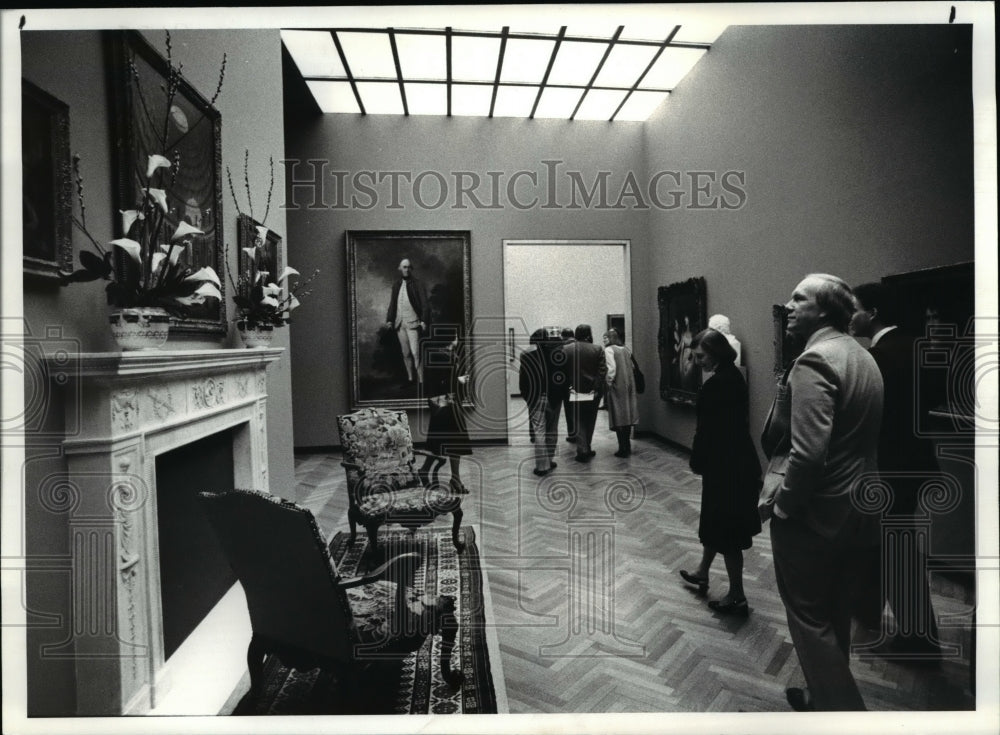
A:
127	409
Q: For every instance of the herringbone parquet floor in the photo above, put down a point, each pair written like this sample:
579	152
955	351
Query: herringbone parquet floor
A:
588	607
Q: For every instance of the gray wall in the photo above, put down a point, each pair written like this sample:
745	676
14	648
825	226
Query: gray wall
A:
70	65
857	147
353	143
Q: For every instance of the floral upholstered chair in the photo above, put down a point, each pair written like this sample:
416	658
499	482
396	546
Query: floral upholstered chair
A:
303	611
383	485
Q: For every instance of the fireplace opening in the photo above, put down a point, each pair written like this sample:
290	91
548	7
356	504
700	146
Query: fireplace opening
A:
194	574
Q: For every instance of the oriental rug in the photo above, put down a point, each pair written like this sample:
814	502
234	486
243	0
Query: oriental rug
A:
411	684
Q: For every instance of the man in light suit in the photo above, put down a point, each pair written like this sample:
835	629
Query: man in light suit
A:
408	315
586	369
905	462
820	537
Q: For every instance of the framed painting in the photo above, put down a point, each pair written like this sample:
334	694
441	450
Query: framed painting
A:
682	315
786	346
189	134
937	307
408	291
46	184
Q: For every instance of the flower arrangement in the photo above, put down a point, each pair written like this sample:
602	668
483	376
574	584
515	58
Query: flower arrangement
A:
262	300
146	266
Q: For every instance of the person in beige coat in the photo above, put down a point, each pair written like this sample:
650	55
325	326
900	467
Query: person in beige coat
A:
620	397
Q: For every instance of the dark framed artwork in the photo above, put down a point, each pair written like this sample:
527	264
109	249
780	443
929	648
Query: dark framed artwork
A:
267	254
440	283
617	323
937	307
786	346
193	142
46	184
682	315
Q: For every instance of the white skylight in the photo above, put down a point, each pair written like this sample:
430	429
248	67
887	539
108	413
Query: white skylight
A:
591	68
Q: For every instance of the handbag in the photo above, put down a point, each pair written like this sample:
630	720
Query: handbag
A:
640	379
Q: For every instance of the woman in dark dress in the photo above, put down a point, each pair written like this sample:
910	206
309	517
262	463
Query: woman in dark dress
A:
445	377
724	455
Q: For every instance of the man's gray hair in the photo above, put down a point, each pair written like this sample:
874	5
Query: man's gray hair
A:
835	297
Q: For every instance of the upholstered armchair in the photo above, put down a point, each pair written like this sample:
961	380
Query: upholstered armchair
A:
382	483
301	609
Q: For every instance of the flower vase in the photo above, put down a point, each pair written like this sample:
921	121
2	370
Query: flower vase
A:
255	336
140	328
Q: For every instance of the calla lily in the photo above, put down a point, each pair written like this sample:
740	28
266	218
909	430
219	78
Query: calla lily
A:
272	289
262	233
184	230
269	301
209	289
289	271
262	276
156	161
204	274
174	251
131	247
129	216
159	196
250	253
157	262
293	302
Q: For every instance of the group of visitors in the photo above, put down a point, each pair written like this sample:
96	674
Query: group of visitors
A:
827	434
569	372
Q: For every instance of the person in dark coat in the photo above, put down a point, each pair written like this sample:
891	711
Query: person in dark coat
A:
724	455
543	386
445	375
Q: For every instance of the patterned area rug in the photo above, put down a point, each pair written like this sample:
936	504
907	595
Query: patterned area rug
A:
413	683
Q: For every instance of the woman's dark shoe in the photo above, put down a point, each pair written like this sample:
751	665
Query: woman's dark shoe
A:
543	473
700	582
623	453
730	607
457	487
799	699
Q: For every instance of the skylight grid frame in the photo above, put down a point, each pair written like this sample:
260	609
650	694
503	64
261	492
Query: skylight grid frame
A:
503	36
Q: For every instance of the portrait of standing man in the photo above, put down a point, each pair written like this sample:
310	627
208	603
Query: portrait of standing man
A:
408	315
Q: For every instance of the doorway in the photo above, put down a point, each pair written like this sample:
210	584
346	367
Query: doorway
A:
555	284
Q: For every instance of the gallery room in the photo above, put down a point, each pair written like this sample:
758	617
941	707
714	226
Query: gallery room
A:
407	209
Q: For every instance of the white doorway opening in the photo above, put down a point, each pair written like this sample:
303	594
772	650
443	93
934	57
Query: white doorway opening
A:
561	283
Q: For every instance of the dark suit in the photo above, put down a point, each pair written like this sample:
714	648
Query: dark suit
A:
821	548
408	330
586	369
905	461
417	295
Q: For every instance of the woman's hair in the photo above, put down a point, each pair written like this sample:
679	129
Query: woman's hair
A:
715	345
613	337
538	336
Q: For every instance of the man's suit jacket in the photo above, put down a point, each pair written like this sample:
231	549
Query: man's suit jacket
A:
836	412
585	366
418	300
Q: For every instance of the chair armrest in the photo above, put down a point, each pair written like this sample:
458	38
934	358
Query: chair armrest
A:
352	466
425	453
389	570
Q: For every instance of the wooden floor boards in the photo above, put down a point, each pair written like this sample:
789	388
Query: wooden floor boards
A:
589	610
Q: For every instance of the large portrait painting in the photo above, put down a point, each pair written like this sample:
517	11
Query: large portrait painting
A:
682	315
189	134
46	183
405	290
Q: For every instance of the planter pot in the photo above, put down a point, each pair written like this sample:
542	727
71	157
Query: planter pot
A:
256	336
141	328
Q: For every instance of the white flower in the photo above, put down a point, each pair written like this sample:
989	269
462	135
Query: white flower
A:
174	251
131	247
205	274
159	196
156	161
262	234
289	271
292	303
184	230
129	216
272	289
269	301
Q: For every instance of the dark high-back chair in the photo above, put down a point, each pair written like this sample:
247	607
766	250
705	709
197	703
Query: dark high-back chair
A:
382	483
299	608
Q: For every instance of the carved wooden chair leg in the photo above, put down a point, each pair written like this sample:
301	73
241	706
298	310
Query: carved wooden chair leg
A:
448	626
372	530
456	528
352	519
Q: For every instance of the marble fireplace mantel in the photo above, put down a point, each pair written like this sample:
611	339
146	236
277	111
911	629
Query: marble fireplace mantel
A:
123	410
